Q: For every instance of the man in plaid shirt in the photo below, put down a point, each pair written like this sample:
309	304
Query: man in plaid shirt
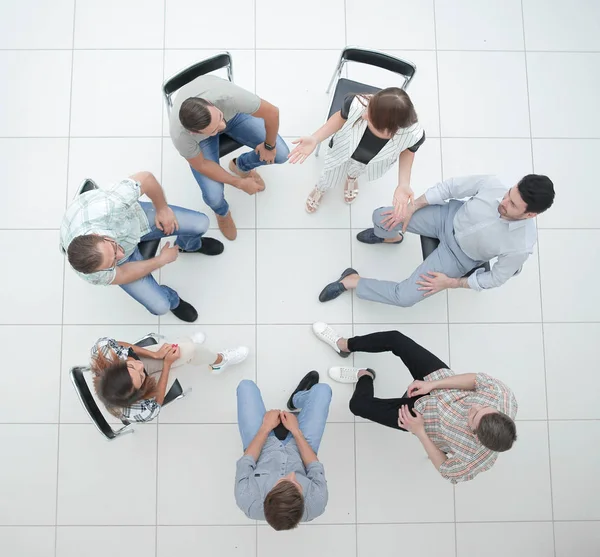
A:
463	421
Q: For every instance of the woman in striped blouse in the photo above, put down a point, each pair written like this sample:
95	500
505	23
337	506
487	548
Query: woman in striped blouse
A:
372	132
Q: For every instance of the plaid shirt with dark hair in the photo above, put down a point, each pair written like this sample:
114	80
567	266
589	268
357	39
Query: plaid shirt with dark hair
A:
140	411
445	412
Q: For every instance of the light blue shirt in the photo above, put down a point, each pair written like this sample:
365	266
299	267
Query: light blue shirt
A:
481	232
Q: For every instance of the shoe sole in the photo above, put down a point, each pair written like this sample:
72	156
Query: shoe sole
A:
347	272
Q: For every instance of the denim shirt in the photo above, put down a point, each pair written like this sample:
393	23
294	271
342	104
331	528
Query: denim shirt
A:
253	480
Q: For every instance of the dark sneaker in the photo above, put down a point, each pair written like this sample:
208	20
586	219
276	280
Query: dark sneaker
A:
186	312
306	383
335	289
210	246
368	237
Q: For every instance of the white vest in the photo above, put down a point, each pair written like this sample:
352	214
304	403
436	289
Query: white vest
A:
347	139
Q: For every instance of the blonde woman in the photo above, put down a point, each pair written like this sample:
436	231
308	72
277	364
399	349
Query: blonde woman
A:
371	132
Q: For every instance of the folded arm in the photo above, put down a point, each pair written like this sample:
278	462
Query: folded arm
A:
455	188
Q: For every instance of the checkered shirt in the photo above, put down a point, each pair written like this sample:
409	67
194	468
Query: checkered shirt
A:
445	412
114	212
142	410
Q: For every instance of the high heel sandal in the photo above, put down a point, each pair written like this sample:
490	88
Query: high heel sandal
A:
314	200
350	190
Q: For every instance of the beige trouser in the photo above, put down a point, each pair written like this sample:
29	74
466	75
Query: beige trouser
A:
191	353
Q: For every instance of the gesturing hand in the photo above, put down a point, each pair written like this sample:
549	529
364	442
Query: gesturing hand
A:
271	420
304	147
166	221
402	200
264	154
407	421
434	282
290	422
418	388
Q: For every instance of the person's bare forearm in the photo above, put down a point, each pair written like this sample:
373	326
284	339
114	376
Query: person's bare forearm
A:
464	381
405	168
256	446
216	172
161	388
138	349
436	456
272	126
151	188
306	452
135	270
334	124
459	283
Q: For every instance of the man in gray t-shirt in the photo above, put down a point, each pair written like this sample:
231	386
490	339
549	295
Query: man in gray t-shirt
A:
209	106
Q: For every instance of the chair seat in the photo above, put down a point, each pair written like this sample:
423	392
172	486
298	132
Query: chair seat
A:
227	145
345	86
428	245
148	248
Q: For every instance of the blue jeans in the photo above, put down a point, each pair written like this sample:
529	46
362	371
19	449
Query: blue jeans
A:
159	299
314	405
247	130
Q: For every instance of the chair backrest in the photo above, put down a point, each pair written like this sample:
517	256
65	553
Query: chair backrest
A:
381	60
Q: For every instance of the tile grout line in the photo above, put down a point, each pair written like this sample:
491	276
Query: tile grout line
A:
255	270
297	135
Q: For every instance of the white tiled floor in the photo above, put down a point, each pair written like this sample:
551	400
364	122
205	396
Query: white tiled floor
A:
81	97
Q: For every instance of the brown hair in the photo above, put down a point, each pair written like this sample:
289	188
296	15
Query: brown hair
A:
389	109
114	386
194	114
284	506
83	253
496	431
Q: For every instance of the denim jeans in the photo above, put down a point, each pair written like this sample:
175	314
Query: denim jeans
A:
314	405
247	130
159	299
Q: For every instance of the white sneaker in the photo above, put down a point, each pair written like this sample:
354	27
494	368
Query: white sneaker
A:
345	374
198	338
231	356
328	336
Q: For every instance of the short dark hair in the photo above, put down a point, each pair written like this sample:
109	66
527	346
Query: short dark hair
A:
194	114
284	506
83	253
537	191
496	431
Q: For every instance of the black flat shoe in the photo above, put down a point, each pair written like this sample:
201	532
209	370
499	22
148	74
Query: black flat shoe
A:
210	246
186	312
335	289
368	237
306	383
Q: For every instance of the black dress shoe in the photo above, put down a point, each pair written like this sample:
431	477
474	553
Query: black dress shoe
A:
185	312
306	383
210	246
335	289
368	237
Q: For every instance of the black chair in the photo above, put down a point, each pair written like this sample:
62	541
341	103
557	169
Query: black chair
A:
343	85
148	248
89	403
223	60
428	245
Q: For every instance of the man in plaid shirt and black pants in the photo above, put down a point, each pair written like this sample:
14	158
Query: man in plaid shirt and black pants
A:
463	421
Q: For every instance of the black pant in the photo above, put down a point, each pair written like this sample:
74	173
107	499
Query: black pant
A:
420	362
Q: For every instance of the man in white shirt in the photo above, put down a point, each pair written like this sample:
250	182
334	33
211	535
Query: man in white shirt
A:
495	221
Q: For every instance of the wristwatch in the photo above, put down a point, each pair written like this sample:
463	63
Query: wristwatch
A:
269	147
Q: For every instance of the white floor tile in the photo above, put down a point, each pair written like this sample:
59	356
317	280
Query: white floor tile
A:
303	103
34	202
212	399
195	482
576	196
28	541
572	346
293	267
114	24
518	539
575	462
125	102
33	295
393	377
22	114
289	27
191	24
94	473
391	467
473	25
577	538
37	24
548	93
285	353
105	540
545	27
512	353
378	24
521	474
509	159
472	87
225	541
222	287
561	250
393	263
333	541
516	301
425	540
42	369
30	467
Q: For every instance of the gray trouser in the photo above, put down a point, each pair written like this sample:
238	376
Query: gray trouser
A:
435	221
